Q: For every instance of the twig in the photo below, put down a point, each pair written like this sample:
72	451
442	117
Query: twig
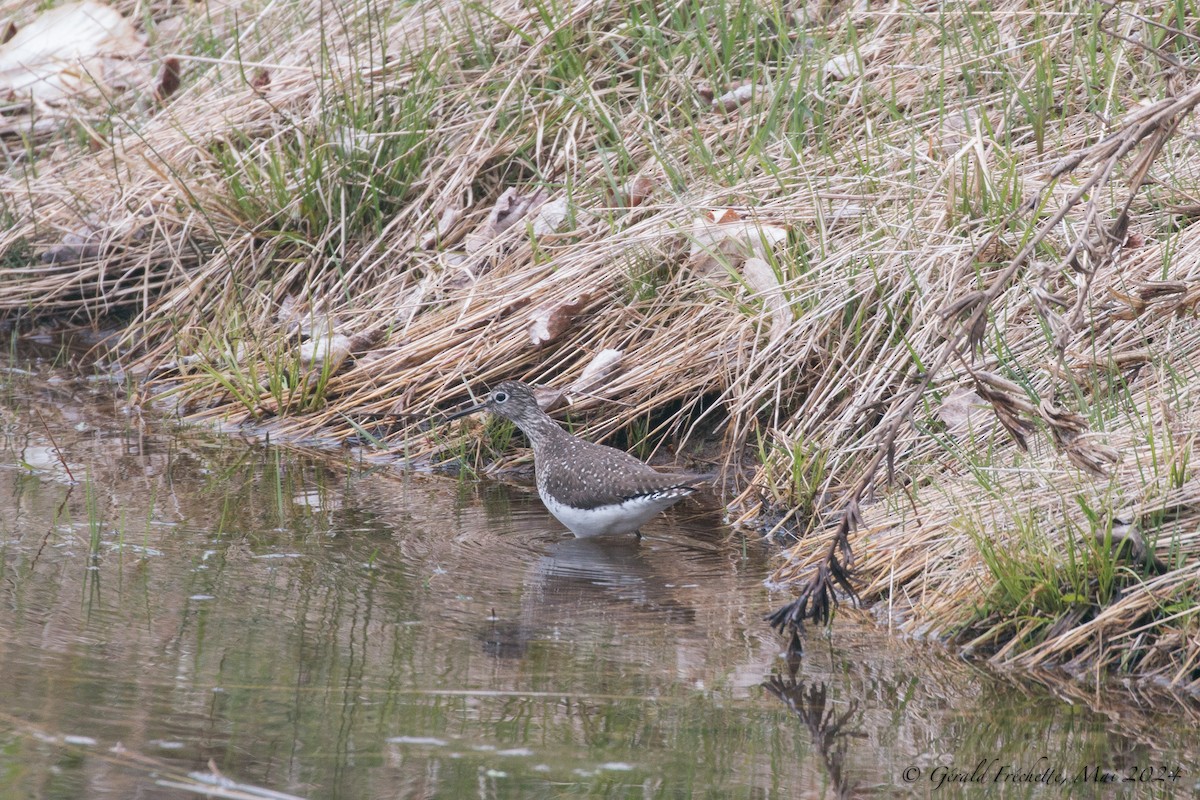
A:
57	452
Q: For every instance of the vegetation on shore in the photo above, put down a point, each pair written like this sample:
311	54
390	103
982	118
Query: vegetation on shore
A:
929	272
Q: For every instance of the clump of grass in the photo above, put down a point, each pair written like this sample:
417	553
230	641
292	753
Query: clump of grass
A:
346	177
1039	590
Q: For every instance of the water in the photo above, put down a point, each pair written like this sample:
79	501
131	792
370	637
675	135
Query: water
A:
173	601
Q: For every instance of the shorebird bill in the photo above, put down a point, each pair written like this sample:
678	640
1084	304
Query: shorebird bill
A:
466	412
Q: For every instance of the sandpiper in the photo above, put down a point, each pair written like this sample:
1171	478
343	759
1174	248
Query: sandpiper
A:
591	488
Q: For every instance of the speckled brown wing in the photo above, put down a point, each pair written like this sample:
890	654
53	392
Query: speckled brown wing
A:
587	475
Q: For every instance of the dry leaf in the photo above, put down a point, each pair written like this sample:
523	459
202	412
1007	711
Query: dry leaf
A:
598	369
1010	404
95	238
762	279
841	67
1126	541
365	340
547	397
637	191
261	79
994	381
1064	423
1091	457
738	96
549	322
325	353
849	65
288	309
168	79
510	209
811	14
730	240
550	217
1018	427
66	50
1156	290
351	141
955	411
448	219
82	244
298	319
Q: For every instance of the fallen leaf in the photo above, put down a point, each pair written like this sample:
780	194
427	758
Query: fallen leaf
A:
1091	456
325	353
549	322
956	410
761	277
738	96
730	240
95	237
67	50
510	209
547	397
261	79
1064	423
1156	290
168	79
448	219
288	309
351	141
841	67
82	244
300	319
810	14
598	369
637	191
363	341
550	217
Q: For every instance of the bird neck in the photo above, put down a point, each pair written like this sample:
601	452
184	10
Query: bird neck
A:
540	428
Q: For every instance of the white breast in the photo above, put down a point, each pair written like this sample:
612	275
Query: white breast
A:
623	518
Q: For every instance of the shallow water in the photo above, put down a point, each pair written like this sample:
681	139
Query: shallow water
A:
174	601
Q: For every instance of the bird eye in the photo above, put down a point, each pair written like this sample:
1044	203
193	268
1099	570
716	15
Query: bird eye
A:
500	397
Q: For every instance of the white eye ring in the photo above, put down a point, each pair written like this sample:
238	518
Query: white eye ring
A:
500	397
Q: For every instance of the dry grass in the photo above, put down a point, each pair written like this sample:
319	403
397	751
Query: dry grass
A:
988	240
